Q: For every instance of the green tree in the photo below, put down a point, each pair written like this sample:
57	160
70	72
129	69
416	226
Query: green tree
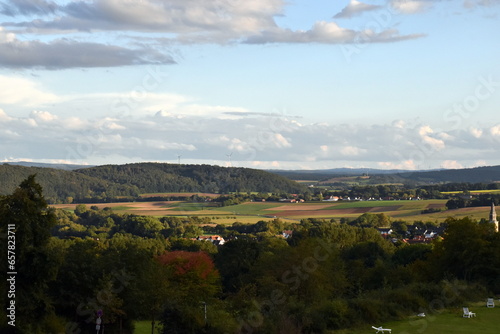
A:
27	212
468	251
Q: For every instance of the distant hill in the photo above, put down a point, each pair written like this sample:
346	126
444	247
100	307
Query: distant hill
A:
48	165
466	175
163	177
488	174
324	174
111	181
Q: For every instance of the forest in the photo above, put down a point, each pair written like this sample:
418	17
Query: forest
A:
112	182
326	276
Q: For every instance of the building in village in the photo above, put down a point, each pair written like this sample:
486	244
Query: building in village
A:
493	216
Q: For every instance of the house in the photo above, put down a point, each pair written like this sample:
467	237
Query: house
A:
287	234
385	231
417	240
430	234
215	239
288	200
331	199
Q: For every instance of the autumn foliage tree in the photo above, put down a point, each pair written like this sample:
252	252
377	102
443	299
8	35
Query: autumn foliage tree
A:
194	283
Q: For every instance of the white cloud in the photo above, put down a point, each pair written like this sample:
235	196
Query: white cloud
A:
477	133
424	130
4	117
328	33
354	8
406	164
400	124
410	6
495	130
9	134
351	150
186	20
451	164
149	137
71	53
74	123
166	145
280	141
434	143
109	123
173	22
238	145
43	116
24	92
445	136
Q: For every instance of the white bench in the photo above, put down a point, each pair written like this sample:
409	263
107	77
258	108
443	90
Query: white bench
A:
382	330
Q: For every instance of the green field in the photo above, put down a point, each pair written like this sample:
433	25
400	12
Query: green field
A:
144	327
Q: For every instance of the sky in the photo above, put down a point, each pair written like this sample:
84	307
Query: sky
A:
268	84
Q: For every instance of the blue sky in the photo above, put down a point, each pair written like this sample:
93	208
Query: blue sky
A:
411	84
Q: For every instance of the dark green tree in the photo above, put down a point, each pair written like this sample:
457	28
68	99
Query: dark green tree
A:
26	211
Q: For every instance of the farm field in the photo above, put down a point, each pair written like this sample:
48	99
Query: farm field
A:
475	192
251	212
179	195
336	209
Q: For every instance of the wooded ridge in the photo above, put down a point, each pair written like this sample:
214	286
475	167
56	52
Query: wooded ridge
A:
110	181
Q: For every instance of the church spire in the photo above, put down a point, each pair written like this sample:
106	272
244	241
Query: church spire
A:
493	216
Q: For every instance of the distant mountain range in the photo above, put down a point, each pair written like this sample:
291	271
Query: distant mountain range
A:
486	174
47	165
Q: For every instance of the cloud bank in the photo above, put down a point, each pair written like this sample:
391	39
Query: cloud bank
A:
258	141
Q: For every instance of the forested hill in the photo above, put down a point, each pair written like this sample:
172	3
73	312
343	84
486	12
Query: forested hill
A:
111	181
486	174
163	177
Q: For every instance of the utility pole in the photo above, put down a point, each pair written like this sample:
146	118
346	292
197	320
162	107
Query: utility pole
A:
205	308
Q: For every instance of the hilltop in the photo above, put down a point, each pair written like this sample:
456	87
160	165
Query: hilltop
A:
112	181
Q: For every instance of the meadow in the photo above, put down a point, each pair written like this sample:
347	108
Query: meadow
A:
444	321
251	212
487	321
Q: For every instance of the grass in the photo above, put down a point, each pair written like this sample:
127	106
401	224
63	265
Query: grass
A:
446	321
144	327
450	321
